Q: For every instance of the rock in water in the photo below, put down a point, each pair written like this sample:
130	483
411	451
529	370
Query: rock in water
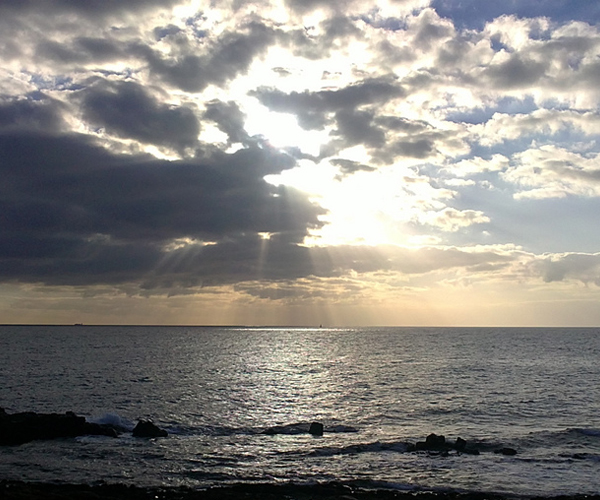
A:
20	428
506	451
437	444
145	428
435	441
460	444
316	429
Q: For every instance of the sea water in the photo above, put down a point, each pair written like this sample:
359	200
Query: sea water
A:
216	390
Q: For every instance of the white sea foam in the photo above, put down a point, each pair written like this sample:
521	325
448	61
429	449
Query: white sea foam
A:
114	420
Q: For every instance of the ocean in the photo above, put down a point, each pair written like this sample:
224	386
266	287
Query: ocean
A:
216	390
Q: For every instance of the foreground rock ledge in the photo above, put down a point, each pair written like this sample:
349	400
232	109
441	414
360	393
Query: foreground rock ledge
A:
16	490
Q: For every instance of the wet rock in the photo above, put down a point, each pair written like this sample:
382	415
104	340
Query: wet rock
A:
437	444
316	429
506	451
289	429
435	441
460	444
146	428
20	428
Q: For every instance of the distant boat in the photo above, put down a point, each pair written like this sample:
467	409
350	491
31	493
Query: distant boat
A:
78	324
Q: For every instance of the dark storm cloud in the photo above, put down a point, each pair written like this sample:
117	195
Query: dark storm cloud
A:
387	138
352	112
313	108
91	8
128	110
417	147
80	51
229	56
348	167
413	139
36	112
356	127
475	13
143	198
243	259
155	268
74	213
401	124
229	118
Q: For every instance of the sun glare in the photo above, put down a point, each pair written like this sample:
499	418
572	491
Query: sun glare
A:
282	130
364	208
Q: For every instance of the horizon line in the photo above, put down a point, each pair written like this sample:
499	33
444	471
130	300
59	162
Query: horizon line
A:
315	327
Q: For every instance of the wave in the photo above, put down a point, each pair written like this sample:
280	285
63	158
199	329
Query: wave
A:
586	432
355	449
113	420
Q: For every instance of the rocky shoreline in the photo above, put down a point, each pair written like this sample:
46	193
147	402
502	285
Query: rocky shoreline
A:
17	490
21	428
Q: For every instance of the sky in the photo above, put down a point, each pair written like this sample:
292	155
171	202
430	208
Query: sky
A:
300	162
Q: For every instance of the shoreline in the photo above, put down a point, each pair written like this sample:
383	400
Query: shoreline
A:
23	490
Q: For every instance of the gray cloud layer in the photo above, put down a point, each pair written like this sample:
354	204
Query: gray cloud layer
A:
83	202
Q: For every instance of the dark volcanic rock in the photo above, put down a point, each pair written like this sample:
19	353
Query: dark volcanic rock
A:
438	444
460	445
19	428
506	451
145	428
435	441
291	429
316	429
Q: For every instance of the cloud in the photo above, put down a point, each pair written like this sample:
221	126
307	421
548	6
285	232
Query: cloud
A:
229	118
90	8
74	212
514	72
196	67
39	114
538	123
450	219
551	172
313	108
551	62
570	266
356	128
349	167
83	50
477	165
127	109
